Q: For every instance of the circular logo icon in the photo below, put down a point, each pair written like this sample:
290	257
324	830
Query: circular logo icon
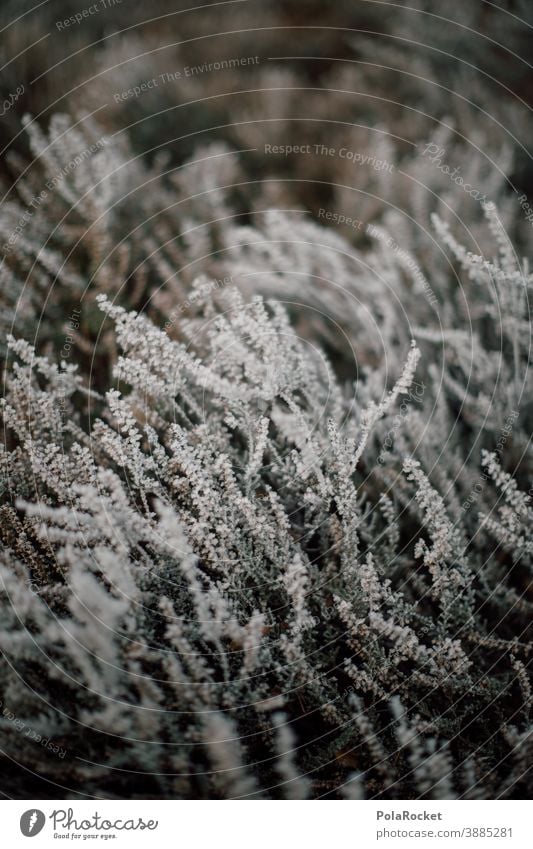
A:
32	822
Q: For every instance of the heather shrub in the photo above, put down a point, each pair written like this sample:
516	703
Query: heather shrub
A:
266	477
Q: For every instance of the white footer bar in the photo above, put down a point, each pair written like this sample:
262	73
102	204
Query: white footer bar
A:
268	825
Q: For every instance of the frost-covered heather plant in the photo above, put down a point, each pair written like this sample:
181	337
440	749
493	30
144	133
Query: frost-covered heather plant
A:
208	578
266	501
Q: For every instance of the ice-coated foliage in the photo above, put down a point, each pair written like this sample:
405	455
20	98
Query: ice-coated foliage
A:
265	518
214	573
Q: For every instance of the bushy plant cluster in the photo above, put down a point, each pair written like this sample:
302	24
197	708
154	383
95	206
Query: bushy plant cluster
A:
265	522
